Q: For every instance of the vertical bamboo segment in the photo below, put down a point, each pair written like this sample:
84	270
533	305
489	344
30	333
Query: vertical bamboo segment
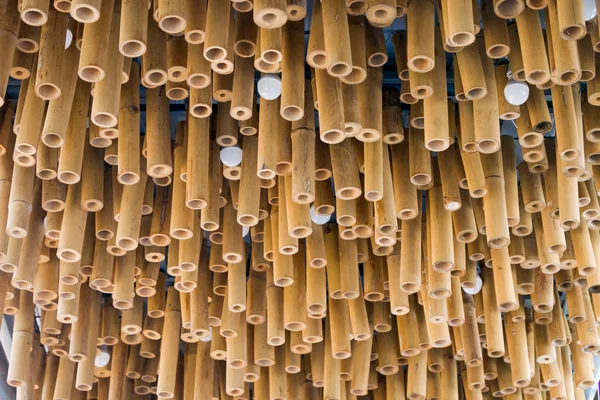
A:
218	18
337	38
105	106
70	164
435	108
420	36
154	60
346	178
503	279
9	29
249	191
20	201
171	16
133	28
52	40
129	128
571	19
73	226
535	59
267	124
331	113
128	228
169	345
22	342
419	158
198	161
159	158
460	23
93	61
293	91
485	111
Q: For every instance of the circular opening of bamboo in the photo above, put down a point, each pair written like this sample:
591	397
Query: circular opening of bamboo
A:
91	73
46	174
20	73
339	69
201	110
25	160
420	179
244	48
215	54
509	8
34	17
317	60
100	142
569	77
68	177
195	36
573	32
488	146
377	59
538	77
84	13
198	81
172	24
27	45
177	93
291	113
132	48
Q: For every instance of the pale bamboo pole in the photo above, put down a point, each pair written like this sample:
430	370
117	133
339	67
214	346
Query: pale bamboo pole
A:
52	39
129	128
154	60
169	348
337	38
105	105
331	113
218	19
94	57
535	59
71	162
420	36
19	367
9	26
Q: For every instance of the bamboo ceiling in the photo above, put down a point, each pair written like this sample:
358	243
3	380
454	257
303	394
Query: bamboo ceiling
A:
354	253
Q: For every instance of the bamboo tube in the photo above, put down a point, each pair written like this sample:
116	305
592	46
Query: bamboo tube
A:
154	60
69	167
420	37
47	84
331	117
493	320
442	253
293	92
198	162
73	227
18	370
266	154
129	127
346	179
419	158
27	142
9	26
459	24
159	162
128	228
94	57
405	194
435	110
336	39
169	345
105	106
485	111
218	19
535	60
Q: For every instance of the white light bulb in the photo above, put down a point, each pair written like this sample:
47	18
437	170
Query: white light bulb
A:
231	156
475	289
68	39
516	93
103	358
318	219
208	337
269	86
589	9
245	230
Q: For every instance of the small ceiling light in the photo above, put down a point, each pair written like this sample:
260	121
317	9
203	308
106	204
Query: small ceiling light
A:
515	92
269	86
245	230
589	9
103	358
318	219
68	38
231	156
208	337
475	289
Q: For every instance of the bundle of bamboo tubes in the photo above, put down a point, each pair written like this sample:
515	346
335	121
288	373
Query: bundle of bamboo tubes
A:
379	239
